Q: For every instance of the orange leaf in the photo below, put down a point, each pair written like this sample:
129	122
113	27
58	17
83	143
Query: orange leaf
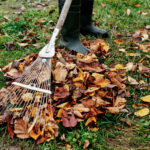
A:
35	135
137	5
91	120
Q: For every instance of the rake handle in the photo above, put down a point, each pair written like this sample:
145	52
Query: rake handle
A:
63	14
49	50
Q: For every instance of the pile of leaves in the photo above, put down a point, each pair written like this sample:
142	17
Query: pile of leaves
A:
82	90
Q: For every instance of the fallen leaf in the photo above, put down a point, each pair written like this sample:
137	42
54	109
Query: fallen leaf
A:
23	44
132	54
103	5
128	11
143	69
86	144
143	112
27	97
129	66
7	18
35	134
21	129
80	76
132	81
69	121
61	92
118	42
60	72
146	98
113	110
91	120
122	50
120	102
13	74
119	66
10	131
137	5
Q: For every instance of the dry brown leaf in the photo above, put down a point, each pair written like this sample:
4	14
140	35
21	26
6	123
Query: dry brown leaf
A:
27	97
81	108
103	83
91	89
128	11
132	81
61	92
120	102
7	68
60	72
99	101
23	44
129	66
43	75
78	114
113	110
90	58
86	144
21	129
13	74
143	69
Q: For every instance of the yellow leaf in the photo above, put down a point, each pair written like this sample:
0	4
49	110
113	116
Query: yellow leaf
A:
21	67
59	113
51	130
143	112
94	129
132	54
118	42
80	76
90	120
146	98
35	135
33	111
119	66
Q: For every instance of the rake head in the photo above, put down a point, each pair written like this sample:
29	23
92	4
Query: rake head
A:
29	97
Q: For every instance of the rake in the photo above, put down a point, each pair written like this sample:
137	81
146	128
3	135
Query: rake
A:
31	93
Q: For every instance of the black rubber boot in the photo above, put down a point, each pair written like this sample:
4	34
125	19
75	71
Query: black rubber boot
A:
87	27
71	29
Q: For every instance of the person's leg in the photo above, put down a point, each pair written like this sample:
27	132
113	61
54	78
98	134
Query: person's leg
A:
71	29
87	27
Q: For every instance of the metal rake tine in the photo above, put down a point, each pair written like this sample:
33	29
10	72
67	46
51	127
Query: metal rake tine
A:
17	104
11	88
29	103
35	100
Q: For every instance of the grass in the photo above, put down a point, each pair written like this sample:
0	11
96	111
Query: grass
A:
114	133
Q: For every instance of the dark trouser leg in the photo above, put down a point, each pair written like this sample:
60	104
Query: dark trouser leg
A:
71	29
87	27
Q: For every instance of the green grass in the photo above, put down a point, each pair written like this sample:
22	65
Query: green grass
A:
114	133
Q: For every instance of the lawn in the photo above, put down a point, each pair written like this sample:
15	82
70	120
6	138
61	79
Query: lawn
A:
121	19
